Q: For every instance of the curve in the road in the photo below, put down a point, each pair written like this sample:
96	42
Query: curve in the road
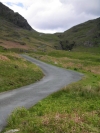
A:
55	78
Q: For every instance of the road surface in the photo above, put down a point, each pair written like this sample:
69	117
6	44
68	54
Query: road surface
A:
55	78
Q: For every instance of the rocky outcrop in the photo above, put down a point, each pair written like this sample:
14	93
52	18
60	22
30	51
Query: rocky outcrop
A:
88	43
13	17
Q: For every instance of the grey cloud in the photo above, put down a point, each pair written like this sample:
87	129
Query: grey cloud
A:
89	7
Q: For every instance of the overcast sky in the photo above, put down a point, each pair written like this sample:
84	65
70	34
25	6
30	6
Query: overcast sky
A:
51	16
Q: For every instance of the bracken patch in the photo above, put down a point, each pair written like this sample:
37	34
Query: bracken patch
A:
3	58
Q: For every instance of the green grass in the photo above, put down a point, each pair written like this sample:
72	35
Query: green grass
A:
73	109
16	72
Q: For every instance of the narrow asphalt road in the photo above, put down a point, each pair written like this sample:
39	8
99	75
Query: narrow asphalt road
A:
55	78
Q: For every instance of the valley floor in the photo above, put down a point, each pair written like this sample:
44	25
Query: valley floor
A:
73	109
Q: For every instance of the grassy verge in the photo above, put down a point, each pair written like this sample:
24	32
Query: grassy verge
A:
73	109
16	72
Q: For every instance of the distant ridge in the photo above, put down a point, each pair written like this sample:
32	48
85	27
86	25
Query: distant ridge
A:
14	17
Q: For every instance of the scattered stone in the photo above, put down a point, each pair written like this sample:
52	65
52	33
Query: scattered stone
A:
12	131
56	62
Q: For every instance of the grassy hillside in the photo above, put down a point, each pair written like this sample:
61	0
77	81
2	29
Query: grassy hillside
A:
16	72
18	39
17	35
86	34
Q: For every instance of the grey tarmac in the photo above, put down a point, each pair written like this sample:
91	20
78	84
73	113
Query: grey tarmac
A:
55	78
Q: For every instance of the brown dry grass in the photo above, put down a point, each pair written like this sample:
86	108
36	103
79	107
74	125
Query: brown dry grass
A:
65	117
11	44
60	121
93	69
4	58
71	63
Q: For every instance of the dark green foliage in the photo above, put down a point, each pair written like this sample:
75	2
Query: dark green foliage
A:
66	45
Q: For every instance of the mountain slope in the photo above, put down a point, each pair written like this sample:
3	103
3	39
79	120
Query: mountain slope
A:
17	34
13	17
15	38
85	34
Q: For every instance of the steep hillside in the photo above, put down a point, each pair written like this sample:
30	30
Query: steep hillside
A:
18	39
13	17
85	34
17	35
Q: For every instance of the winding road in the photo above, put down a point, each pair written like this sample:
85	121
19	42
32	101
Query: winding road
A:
55	78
